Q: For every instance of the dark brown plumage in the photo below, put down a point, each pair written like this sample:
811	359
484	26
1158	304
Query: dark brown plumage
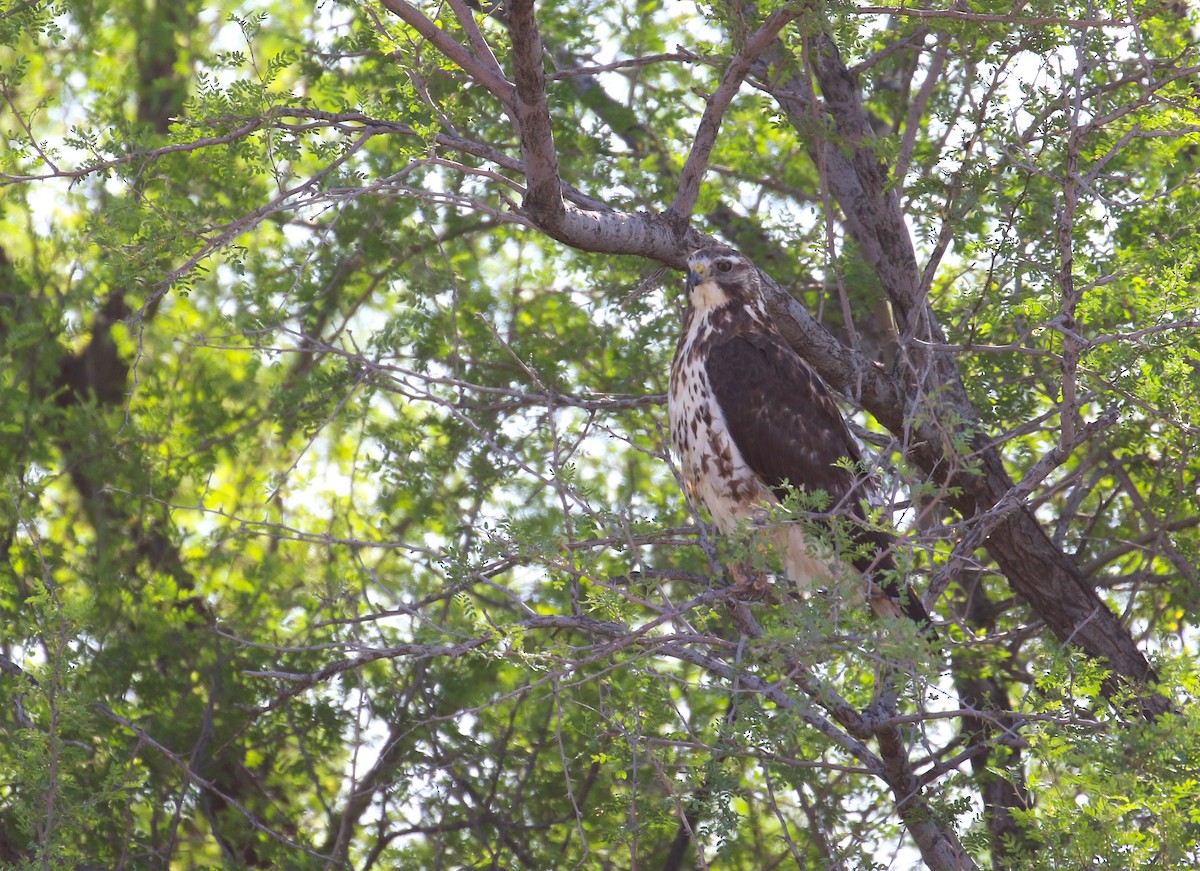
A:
748	415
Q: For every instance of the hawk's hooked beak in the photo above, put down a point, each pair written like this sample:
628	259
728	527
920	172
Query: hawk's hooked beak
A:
696	273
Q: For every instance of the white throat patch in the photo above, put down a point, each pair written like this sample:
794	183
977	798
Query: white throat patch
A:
707	295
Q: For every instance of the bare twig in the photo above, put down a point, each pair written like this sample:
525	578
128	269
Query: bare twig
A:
994	18
204	783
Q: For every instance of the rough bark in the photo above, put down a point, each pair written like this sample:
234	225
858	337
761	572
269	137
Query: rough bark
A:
1037	570
940	850
543	189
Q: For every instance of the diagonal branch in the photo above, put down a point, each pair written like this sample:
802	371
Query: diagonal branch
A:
974	482
710	123
479	45
487	75
860	183
939	848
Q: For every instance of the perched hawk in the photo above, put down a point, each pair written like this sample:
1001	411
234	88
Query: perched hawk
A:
748	414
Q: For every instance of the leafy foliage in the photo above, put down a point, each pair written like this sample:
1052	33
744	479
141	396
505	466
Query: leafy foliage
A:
338	524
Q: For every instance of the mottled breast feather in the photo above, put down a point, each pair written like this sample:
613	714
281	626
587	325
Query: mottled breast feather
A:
713	468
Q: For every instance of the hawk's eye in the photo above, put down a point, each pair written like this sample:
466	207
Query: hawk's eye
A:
724	266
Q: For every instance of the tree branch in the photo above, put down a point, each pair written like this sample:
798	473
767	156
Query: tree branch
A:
543	196
975	482
480	70
710	122
940	850
995	762
479	45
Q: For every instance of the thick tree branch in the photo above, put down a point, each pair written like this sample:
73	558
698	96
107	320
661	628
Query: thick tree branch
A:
997	766
939	848
860	183
543	194
597	228
977	482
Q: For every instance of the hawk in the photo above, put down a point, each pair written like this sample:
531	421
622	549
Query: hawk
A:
749	416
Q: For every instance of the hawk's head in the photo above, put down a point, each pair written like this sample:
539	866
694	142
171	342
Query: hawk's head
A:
719	276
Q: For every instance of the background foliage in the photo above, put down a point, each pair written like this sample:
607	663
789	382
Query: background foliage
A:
338	524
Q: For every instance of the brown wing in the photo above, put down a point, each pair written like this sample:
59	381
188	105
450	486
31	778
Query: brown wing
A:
788	429
781	416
